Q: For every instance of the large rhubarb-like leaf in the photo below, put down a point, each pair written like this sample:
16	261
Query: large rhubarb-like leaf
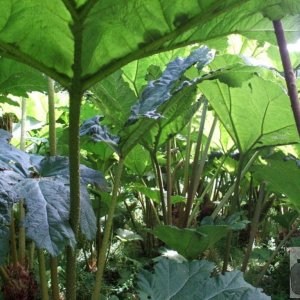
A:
12	158
18	79
97	133
163	101
59	165
192	280
252	114
7	197
190	242
47	216
161	90
282	175
139	72
47	213
114	98
115	33
230	286
43	182
138	160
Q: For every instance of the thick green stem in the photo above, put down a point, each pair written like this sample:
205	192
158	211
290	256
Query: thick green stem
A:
22	235
159	179
233	208
75	99
14	253
52	119
31	256
227	252
42	273
23	124
206	190
254	226
54	278
231	189
3	274
194	180
187	160
76	93
204	155
169	183
107	232
236	195
52	146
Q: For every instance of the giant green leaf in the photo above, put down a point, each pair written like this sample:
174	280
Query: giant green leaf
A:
7	198
47	213
47	217
18	79
43	182
253	113
177	118
172	280
190	242
139	72
281	175
150	192
257	52
115	33
192	280
138	160
159	91
165	99
231	286
180	23
114	98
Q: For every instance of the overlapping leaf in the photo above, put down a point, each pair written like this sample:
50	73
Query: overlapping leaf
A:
181	23
18	79
47	217
190	242
59	165
114	98
139	72
44	185
7	198
281	175
12	158
138	160
161	90
192	280
99	133
169	99
252	114
113	35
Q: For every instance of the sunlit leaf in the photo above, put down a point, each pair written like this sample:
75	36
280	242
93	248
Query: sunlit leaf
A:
281	175
18	79
252	114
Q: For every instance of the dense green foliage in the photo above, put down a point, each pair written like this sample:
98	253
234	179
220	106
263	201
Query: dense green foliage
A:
177	139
